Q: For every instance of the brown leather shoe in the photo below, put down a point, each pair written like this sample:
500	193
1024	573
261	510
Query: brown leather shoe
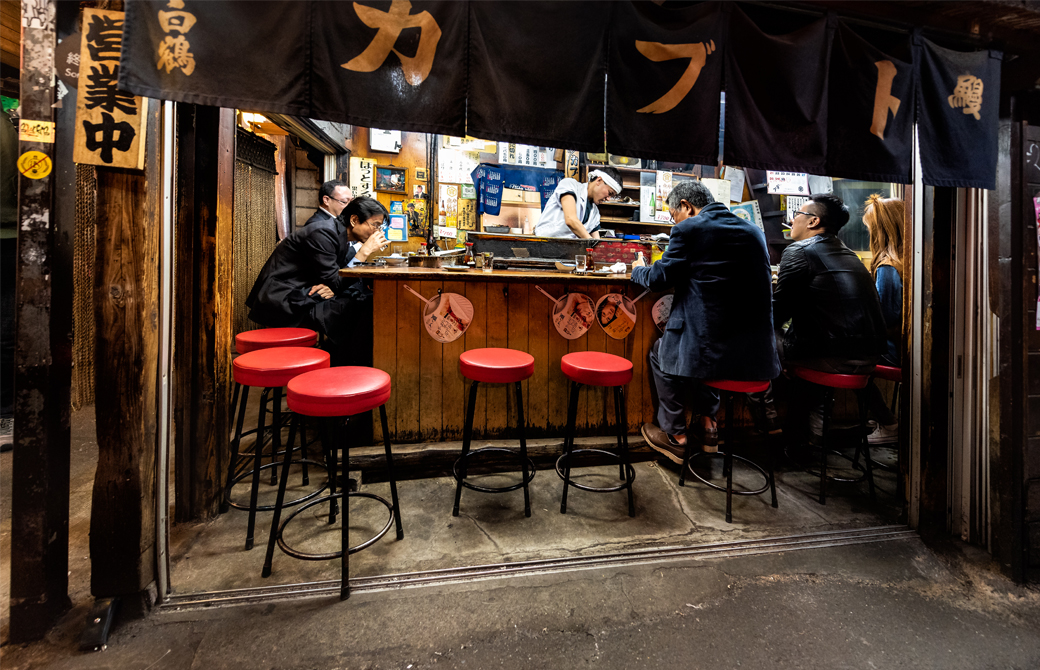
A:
708	437
663	443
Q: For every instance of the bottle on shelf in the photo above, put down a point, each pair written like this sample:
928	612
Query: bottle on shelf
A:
442	217
423	250
468	257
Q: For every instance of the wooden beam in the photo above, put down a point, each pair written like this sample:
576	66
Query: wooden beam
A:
126	305
43	368
204	268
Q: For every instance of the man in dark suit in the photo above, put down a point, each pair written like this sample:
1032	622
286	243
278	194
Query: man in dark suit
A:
333	196
721	325
300	286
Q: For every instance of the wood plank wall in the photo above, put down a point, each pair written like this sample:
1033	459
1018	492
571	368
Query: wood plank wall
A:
429	394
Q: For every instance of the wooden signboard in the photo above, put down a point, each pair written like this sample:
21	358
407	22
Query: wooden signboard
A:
109	122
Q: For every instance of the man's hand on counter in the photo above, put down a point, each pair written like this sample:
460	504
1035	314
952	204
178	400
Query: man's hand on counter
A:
374	242
639	262
322	290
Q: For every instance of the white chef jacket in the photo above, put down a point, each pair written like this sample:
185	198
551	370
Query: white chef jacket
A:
552	222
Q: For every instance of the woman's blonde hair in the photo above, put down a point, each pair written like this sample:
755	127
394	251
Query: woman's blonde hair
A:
884	219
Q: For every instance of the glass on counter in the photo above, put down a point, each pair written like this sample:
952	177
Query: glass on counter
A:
580	263
488	259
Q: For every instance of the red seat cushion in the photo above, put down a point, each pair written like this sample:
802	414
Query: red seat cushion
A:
888	372
832	380
496	366
739	387
277	365
595	368
265	338
339	391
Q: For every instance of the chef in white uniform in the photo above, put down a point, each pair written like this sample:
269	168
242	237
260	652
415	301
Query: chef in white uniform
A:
572	210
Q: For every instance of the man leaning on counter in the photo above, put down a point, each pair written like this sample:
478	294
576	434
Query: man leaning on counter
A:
572	210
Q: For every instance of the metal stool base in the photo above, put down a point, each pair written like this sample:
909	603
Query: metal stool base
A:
304	556
630	472
493	489
267	508
736	492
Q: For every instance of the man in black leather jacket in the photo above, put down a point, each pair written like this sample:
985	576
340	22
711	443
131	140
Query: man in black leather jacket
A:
828	295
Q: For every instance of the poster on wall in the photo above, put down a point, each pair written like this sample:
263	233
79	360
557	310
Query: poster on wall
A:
720	189
664	187
362	175
449	205
445	316
616	314
787	183
735	176
750	212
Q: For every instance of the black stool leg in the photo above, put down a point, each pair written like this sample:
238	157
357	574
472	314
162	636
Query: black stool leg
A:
390	472
273	537
828	406
257	458
467	434
864	445
728	431
568	443
523	445
621	416
344	583
329	445
276	431
234	403
303	446
225	501
772	470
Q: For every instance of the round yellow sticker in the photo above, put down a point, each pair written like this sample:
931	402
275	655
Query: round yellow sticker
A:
34	164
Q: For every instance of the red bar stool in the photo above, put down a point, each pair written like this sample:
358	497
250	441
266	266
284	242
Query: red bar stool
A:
593	368
830	382
494	366
336	394
266	338
269	369
728	389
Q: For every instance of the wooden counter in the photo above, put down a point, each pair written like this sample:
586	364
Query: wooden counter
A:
428	403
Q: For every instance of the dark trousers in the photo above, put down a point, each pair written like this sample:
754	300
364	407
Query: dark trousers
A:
675	394
8	263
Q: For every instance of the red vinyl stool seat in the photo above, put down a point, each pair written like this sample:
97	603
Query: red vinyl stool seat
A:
335	395
265	338
340	391
729	389
269	369
595	368
892	374
831	381
494	366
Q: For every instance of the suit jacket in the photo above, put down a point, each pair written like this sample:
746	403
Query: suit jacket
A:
830	297
319	216
721	325
310	255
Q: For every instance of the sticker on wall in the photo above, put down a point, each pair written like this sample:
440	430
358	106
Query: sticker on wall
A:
34	164
573	313
446	316
661	310
616	314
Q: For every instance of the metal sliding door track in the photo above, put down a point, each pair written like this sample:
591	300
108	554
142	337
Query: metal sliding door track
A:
473	573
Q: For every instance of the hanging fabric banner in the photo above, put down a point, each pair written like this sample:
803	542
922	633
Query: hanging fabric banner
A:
489	180
959	104
536	72
393	65
666	68
870	131
776	96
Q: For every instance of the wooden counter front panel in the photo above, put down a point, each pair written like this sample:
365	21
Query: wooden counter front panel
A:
429	396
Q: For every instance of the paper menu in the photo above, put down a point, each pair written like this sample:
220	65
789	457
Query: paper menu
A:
720	189
749	211
794	203
735	176
787	183
664	187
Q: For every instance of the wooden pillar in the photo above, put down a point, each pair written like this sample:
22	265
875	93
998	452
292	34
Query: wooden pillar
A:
42	359
126	311
204	271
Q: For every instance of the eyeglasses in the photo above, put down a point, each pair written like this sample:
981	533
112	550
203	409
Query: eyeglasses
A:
342	202
801	212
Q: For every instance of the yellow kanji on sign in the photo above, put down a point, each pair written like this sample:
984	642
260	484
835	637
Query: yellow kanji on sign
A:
697	52
390	24
967	95
883	98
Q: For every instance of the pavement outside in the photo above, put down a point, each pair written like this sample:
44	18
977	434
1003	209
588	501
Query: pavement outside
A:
867	604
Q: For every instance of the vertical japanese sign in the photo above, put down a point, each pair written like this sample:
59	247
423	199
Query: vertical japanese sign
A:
362	173
109	122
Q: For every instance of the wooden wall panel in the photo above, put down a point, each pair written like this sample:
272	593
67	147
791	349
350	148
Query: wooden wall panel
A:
537	390
497	336
384	349
409	332
580	344
558	386
597	341
519	296
430	392
476	338
453	384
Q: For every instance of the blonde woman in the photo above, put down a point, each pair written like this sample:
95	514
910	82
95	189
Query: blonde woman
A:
883	217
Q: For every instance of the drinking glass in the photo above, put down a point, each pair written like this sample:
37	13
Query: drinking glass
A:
488	258
580	263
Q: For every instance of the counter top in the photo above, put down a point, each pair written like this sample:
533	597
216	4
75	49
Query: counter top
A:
520	276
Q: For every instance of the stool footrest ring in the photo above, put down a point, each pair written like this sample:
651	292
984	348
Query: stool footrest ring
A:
843	480
630	472
736	492
489	489
295	553
269	508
